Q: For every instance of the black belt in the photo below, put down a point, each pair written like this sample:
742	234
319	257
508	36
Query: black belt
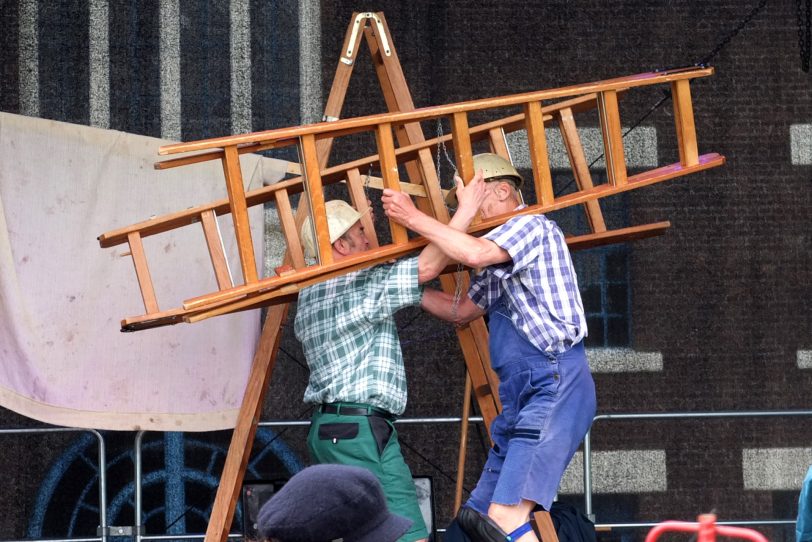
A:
346	410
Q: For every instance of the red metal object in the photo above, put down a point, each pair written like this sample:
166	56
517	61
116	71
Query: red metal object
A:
706	530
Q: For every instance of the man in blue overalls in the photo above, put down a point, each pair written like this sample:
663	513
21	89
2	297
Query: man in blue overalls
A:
527	286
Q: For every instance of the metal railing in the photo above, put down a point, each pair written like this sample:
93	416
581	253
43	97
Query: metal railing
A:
105	530
102	466
672	416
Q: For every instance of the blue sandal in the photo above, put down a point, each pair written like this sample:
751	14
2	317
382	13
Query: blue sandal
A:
481	528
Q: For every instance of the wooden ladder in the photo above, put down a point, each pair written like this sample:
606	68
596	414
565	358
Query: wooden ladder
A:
414	152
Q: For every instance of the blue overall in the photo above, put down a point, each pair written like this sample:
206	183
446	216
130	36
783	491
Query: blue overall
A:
548	402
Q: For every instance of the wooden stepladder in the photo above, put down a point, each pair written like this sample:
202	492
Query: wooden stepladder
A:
401	127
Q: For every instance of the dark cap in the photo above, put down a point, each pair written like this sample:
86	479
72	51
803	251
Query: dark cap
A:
326	503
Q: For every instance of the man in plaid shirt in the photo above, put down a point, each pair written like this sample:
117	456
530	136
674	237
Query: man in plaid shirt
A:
529	290
357	379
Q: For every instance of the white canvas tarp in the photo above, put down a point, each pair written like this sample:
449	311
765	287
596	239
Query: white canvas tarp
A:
63	359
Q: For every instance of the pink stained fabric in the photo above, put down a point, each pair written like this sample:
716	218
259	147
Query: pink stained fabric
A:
63	359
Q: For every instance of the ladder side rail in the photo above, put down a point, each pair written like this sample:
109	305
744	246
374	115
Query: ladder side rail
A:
294	283
421	170
684	122
239	214
214	243
609	116
359	201
539	159
390	251
580	169
633	81
191	215
341	79
315	196
142	273
509	123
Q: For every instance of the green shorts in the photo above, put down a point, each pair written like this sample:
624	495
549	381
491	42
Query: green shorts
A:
351	440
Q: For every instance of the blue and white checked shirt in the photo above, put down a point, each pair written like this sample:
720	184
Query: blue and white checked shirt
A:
538	285
350	339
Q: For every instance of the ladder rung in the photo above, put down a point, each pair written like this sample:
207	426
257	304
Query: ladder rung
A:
580	169
684	121
612	137
289	230
539	159
239	213
142	272
214	242
461	139
389	172
315	193
359	201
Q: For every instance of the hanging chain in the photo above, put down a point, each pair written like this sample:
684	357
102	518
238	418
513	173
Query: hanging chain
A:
441	147
804	32
455	301
366	183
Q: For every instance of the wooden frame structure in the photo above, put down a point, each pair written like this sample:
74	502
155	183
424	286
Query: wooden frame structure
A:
412	154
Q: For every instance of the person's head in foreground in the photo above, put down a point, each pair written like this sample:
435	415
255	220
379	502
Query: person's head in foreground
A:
327	503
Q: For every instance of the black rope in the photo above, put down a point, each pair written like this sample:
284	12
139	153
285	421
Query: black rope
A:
704	61
804	15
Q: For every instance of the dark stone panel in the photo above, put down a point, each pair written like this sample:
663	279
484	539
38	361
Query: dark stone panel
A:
205	69
135	67
63	61
9	57
275	67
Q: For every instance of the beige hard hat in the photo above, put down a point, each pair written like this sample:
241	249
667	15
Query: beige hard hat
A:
340	217
492	166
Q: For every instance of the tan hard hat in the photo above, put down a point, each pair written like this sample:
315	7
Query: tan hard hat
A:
492	166
341	216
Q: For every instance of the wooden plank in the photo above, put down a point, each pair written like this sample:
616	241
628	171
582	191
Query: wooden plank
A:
620	83
315	195
239	450
580	169
539	159
622	235
466	413
609	115
142	273
545	526
371	181
239	214
389	172
341	79
684	121
214	242
289	229
359	201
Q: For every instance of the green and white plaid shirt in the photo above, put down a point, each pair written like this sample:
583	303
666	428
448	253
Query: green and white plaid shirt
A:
349	336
